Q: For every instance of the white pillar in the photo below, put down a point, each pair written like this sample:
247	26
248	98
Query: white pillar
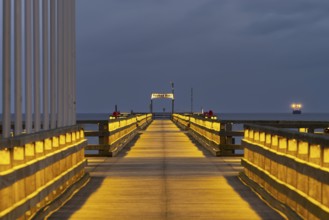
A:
28	66
53	72
69	22
45	64
65	66
60	63
18	66
74	63
6	69
36	56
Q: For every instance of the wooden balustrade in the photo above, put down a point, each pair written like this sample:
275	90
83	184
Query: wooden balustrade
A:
35	169
289	169
213	134
115	133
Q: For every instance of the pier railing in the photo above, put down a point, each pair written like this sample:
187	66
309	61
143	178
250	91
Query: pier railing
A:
115	133
289	169
216	136
37	168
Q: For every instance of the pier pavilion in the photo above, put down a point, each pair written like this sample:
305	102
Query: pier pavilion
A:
147	165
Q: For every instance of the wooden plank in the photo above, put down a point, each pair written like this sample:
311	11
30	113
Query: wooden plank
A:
163	175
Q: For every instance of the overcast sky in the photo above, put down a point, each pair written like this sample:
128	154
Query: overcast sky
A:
237	55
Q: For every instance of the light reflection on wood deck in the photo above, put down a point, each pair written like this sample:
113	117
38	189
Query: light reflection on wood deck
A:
164	175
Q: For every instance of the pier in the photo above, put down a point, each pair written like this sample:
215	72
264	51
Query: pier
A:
163	174
145	165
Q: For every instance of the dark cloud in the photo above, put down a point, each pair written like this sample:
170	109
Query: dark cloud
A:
239	56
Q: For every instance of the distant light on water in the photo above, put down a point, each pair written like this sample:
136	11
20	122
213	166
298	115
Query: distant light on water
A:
296	106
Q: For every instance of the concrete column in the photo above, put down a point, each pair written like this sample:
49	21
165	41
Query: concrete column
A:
18	66
28	66
6	53
53	70
45	51
36	55
60	106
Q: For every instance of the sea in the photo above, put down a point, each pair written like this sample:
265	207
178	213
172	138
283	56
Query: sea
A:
229	116
236	116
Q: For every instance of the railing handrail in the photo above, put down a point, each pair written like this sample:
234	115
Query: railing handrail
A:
307	137
23	139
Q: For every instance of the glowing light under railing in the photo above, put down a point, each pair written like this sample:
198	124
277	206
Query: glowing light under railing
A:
114	125
303	130
268	139
282	143
39	146
5	156
55	142
326	155
48	143
216	126
292	145
315	151
256	136
18	153
275	140
68	137
29	150
262	136
62	139
246	133
303	147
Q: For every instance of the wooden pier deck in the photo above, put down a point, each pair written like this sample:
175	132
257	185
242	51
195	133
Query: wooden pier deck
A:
164	175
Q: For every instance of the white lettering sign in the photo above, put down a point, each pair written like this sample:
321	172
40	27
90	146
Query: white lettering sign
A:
162	96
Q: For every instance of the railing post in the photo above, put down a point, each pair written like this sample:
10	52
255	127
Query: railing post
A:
103	128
